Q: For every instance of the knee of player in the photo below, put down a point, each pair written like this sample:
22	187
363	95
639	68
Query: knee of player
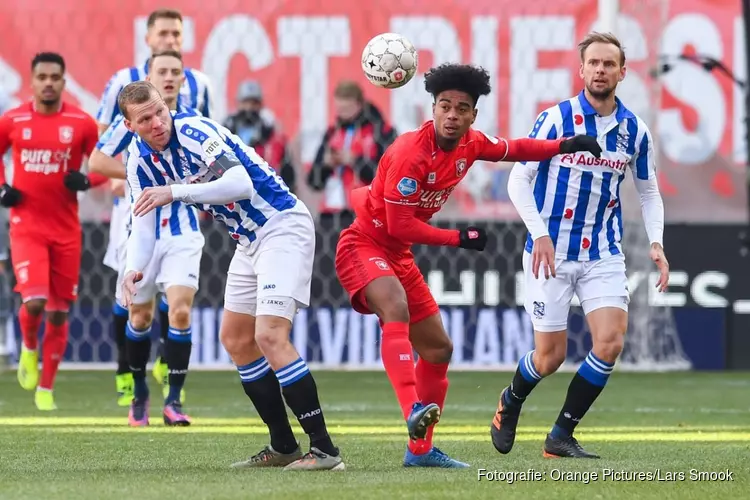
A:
394	309
35	307
439	353
272	335
547	362
236	342
141	319
57	317
610	349
180	315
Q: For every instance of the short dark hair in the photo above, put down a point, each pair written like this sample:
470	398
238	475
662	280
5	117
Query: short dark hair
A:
163	14
597	37
135	93
164	53
473	80
48	57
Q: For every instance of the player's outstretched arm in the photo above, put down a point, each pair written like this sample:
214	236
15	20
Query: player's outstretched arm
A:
532	149
652	205
100	163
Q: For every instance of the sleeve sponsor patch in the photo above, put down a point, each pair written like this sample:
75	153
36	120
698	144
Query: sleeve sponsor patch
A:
407	186
211	148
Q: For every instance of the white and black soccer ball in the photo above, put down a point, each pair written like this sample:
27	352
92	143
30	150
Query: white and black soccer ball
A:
389	60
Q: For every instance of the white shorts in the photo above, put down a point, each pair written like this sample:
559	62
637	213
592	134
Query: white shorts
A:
273	279
597	283
118	234
176	262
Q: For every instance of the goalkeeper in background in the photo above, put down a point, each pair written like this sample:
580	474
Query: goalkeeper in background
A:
571	207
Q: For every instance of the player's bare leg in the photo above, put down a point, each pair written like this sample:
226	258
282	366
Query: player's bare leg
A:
385	296
608	326
434	347
138	347
262	387
30	318
549	353
178	346
54	343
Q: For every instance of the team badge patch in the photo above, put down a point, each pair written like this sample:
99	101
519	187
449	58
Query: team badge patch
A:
382	264
407	186
26	134
460	166
538	309
66	135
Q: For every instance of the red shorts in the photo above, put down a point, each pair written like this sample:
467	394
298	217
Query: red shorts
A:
46	270
359	260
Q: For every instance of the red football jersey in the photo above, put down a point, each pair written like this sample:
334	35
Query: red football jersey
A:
45	147
414	171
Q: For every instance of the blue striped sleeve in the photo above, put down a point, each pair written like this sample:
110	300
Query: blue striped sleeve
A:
546	126
645	163
108	109
116	138
200	139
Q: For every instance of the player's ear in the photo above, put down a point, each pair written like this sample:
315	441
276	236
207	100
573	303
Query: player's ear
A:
433	109
580	71
623	72
474	115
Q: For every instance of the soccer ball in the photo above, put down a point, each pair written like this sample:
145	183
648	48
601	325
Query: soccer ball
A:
389	61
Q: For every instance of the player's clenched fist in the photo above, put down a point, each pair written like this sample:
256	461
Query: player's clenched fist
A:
580	143
128	286
472	238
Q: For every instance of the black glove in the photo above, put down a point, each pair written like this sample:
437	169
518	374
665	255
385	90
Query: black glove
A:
9	196
76	181
472	238
581	143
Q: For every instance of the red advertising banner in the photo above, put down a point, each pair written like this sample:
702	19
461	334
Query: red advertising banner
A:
299	49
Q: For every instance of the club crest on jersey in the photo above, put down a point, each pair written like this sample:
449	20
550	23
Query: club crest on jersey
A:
26	134
460	166
66	135
431	178
407	186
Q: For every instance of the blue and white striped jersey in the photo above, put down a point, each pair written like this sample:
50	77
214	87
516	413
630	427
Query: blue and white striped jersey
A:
196	143
195	91
174	219
578	195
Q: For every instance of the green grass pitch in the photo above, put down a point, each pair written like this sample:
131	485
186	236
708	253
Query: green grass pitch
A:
642	423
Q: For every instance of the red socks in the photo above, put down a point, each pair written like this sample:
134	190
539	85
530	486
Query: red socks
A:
29	327
54	343
398	360
432	387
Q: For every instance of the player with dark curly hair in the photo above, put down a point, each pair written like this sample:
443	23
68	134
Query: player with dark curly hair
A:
374	262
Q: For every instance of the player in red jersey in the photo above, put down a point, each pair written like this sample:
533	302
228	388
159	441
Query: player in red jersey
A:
374	261
49	140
